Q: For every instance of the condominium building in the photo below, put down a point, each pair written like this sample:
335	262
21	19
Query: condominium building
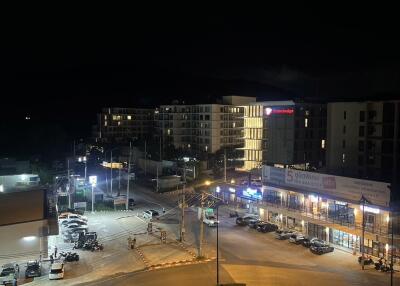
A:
203	127
284	133
363	139
123	124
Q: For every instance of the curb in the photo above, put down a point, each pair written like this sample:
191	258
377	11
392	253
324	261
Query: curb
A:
179	263
142	257
184	247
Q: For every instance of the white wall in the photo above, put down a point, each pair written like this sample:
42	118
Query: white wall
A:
13	246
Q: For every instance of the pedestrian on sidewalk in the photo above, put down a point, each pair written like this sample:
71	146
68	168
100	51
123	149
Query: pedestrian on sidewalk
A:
55	252
163	210
129	242
51	259
133	243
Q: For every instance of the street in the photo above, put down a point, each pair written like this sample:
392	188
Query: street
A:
246	255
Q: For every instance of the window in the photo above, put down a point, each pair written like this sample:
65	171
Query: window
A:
207	117
343	157
105	117
360	160
344	129
361	146
371	114
362	116
119	123
105	123
306	122
323	143
307	112
344	144
361	131
129	117
344	115
169	131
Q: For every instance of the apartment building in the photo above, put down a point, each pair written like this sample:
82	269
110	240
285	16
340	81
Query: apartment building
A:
124	124
363	139
203	127
285	134
321	205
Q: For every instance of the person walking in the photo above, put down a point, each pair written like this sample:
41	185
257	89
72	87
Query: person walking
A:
51	259
55	252
129	242
133	243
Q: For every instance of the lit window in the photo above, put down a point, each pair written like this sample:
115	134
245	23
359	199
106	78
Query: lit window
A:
169	131
119	123
306	122
234	124
206	148
105	117
129	117
343	158
105	123
323	143
307	112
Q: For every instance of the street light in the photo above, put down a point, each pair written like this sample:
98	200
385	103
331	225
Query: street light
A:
207	183
93	182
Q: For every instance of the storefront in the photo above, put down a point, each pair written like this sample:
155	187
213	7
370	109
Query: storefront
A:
344	239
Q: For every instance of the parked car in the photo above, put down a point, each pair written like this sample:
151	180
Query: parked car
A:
242	221
210	220
9	274
285	234
33	269
267	227
297	238
72	221
308	241
56	271
320	248
150	214
254	223
70	216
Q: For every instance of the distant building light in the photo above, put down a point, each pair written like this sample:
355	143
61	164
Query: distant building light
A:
1	188
27	117
232	190
305	122
29	238
218	189
129	117
323	143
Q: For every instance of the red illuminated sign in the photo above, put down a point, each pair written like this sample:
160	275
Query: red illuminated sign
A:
270	111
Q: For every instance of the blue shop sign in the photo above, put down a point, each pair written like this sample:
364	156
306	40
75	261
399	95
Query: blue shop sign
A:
252	194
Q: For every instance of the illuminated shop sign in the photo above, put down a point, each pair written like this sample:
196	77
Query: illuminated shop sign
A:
270	111
370	210
253	194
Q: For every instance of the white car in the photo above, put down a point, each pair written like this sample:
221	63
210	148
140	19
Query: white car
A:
210	220
56	271
74	221
8	275
69	216
150	214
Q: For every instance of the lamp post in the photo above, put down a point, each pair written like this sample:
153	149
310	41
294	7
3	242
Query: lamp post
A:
93	182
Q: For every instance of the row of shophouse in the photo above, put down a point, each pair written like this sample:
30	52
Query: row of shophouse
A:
324	206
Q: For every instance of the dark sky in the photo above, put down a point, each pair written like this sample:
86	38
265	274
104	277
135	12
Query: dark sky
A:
61	80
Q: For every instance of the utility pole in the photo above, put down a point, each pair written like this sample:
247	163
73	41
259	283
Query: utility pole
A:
201	227
391	250
145	157
119	180
225	166
157	180
160	150
69	185
363	233
111	178
182	230
129	176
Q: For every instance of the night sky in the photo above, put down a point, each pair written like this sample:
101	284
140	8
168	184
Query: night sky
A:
61	83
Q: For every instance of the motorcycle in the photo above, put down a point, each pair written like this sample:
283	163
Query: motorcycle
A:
367	261
69	256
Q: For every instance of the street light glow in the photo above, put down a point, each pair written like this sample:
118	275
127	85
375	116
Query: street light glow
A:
232	181
207	183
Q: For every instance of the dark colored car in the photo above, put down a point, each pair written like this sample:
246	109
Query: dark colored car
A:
254	223
267	227
307	241
320	248
131	203
242	221
33	269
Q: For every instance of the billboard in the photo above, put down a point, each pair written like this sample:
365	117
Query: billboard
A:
378	193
